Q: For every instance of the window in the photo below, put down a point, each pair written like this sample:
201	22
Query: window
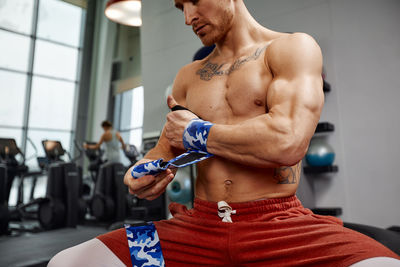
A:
129	115
55	60
12	95
58	110
16	15
59	22
14	51
39	63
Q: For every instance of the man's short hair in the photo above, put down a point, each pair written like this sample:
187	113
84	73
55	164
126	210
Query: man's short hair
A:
106	124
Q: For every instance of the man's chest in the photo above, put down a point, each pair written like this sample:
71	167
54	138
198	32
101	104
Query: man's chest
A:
226	95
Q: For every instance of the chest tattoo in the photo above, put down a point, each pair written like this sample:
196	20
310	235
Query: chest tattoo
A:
210	69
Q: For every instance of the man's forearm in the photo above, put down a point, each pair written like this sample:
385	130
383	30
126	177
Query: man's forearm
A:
263	141
163	150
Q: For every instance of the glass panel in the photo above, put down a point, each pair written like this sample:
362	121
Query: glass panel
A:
132	109
55	60
137	107
12	133
55	15
16	15
133	137
14	51
37	136
126	108
12	95
136	138
52	104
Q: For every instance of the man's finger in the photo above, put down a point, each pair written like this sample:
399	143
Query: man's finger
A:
158	178
144	181
157	189
171	101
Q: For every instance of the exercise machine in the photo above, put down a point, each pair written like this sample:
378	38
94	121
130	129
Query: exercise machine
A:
4	213
11	169
95	157
109	199
62	205
132	153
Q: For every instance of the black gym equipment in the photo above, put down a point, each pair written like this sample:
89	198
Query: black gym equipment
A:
63	205
111	202
387	237
4	213
95	157
8	152
11	169
109	199
132	153
142	209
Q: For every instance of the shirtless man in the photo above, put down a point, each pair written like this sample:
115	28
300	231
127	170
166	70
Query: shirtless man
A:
260	96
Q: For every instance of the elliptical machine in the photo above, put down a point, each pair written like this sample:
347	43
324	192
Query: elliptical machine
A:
109	198
111	201
63	205
4	213
12	168
95	157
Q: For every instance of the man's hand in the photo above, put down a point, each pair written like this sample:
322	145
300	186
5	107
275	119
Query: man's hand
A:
148	187
176	124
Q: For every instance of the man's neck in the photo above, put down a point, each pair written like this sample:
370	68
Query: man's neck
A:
244	32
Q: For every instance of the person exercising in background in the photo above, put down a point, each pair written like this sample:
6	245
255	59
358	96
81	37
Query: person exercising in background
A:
111	139
259	96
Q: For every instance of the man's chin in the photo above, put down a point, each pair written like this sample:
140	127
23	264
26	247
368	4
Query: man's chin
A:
207	41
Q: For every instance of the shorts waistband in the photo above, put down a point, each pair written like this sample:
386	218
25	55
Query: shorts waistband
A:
251	207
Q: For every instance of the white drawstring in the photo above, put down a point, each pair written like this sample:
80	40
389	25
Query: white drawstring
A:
225	211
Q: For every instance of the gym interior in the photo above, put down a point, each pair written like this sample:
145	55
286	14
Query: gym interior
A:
65	67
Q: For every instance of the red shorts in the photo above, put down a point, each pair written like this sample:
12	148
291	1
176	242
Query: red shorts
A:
273	232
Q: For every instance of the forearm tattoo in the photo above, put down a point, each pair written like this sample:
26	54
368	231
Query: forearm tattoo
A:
287	175
209	69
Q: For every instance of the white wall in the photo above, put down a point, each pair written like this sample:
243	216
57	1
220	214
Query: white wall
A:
366	39
360	41
167	44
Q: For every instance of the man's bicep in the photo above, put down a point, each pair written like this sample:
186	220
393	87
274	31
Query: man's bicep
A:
296	89
296	102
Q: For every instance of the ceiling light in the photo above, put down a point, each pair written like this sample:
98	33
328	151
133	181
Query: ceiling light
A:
127	12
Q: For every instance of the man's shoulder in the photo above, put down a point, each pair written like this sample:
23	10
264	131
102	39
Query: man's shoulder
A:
185	77
293	42
189	70
293	51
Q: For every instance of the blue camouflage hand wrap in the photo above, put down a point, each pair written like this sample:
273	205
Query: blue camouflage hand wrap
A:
144	245
157	166
196	134
148	168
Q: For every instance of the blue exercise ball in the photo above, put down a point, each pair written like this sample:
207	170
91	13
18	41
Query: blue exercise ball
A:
180	189
320	153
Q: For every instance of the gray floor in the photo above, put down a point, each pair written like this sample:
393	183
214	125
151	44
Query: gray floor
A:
36	249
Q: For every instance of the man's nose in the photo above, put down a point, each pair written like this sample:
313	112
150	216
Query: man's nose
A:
190	13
